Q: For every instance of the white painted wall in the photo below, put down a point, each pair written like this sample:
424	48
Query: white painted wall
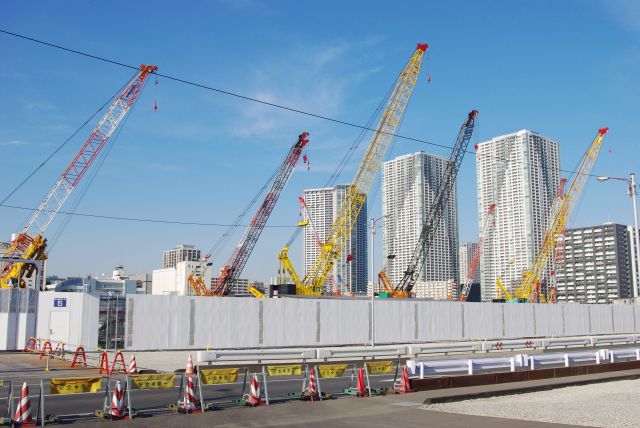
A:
17	317
182	322
175	280
82	311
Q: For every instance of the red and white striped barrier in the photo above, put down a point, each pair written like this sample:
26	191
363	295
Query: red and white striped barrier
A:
23	412
254	398
117	410
189	370
133	367
189	403
312	387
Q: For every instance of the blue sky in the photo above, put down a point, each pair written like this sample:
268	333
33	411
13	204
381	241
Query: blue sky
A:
561	68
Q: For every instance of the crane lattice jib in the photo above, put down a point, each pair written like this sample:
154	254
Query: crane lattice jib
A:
25	246
355	198
52	203
233	269
434	217
475	261
561	218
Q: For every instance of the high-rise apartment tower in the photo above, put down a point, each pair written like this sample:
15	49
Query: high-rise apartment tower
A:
409	185
520	173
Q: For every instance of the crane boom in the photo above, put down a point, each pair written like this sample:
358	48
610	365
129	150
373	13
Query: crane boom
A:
30	243
561	218
475	261
436	212
355	198
233	269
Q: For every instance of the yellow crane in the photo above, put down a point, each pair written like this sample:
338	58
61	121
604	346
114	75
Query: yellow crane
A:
528	287
313	283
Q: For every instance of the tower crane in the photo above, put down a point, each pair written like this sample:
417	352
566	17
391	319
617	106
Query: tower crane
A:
30	243
436	212
475	261
560	219
340	232
233	269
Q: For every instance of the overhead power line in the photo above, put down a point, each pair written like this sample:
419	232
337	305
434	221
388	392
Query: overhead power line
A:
141	220
252	99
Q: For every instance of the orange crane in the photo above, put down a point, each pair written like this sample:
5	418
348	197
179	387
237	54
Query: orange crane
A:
30	243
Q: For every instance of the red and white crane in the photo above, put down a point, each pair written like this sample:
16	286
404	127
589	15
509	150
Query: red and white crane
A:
232	270
30	243
475	261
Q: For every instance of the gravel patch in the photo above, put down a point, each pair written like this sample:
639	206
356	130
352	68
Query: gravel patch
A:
607	404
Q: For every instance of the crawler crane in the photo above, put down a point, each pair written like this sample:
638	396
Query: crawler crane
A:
30	243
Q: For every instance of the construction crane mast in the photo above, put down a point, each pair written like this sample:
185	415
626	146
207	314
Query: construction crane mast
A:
30	243
340	232
233	269
559	222
436	212
475	261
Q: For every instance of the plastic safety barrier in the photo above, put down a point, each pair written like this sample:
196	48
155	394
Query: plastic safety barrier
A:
216	376
285	370
331	370
380	367
153	381
75	385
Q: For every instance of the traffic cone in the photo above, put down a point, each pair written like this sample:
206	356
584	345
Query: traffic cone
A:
254	398
133	367
117	402
189	370
312	387
405	385
23	412
360	386
190	403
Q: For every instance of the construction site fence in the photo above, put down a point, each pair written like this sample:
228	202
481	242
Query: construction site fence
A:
216	388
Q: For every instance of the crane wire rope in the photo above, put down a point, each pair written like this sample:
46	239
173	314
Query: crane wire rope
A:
252	99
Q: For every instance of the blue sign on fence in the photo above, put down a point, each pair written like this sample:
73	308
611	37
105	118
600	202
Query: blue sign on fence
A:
60	302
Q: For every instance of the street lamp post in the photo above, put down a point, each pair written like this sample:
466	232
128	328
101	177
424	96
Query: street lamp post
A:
635	243
373	270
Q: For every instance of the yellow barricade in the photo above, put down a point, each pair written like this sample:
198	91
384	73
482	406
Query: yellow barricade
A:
214	376
332	370
380	367
288	370
75	385
153	381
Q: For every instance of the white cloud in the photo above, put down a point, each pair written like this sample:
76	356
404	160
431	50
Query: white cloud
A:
14	143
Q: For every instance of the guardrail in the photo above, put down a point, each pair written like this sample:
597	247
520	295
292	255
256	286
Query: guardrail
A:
361	353
475	365
257	355
466	365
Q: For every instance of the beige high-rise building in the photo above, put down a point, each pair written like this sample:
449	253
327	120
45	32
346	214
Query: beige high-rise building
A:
182	253
520	173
